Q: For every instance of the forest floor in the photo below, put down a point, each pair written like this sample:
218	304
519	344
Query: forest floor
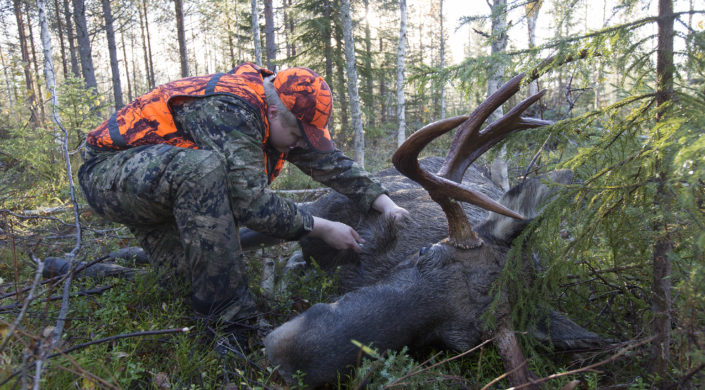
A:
135	333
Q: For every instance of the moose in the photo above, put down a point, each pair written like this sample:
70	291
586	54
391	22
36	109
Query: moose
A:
427	281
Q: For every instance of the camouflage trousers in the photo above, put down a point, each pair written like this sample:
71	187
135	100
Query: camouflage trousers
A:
175	202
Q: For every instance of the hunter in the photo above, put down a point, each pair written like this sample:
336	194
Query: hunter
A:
184	166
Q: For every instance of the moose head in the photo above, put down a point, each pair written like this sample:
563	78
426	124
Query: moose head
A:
412	286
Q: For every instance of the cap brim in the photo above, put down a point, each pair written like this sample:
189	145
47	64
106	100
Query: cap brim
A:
318	139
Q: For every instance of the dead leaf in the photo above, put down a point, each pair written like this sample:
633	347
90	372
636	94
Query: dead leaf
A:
161	381
571	385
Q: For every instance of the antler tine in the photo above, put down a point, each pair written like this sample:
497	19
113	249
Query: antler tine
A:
473	144
444	191
406	157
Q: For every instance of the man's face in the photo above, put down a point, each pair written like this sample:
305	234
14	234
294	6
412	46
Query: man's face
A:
284	138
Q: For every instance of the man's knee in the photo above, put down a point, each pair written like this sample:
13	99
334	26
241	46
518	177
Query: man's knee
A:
203	166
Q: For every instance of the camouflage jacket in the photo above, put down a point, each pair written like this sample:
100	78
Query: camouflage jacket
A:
235	132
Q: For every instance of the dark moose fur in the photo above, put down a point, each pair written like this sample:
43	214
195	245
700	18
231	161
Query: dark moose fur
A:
400	295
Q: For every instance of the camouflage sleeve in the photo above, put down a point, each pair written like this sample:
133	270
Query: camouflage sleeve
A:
341	173
232	129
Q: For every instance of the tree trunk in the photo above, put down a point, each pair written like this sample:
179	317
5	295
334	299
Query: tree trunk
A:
183	56
60	33
328	46
289	28
230	32
10	92
401	53
84	44
48	65
127	68
112	51
369	94
75	71
149	63
532	13
255	33
29	83
351	68
269	36
498	168
443	62
661	290
382	85
38	83
144	50
339	54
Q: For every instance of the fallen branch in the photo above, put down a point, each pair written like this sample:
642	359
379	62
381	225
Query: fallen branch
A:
118	337
587	368
94	291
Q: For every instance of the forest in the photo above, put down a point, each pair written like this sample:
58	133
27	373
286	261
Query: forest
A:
620	251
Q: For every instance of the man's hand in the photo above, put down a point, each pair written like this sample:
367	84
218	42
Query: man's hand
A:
336	234
385	205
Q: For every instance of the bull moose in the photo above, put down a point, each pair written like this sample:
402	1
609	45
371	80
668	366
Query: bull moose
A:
427	281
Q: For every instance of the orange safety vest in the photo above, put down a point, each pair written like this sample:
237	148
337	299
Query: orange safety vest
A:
149	120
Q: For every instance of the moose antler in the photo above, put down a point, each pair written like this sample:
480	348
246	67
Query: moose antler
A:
468	144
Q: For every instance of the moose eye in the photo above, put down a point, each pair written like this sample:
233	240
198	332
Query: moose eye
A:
423	251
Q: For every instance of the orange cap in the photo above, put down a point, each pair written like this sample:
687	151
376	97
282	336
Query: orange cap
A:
308	97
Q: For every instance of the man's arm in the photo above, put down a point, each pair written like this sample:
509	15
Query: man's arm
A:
341	173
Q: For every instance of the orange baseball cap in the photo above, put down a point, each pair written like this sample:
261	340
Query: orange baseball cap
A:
308	97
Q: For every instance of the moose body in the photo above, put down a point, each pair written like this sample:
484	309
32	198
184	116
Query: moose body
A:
427	281
406	288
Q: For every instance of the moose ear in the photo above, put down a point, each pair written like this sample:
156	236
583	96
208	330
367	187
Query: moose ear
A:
526	199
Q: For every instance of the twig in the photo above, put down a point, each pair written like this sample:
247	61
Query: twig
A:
118	337
28	300
57	297
687	377
87	344
587	368
58	277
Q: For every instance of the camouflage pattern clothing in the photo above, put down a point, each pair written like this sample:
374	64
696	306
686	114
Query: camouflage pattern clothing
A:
185	205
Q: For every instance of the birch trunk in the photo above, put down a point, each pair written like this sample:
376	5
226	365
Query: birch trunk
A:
401	53
180	31
255	33
112	51
270	42
84	44
49	75
351	68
